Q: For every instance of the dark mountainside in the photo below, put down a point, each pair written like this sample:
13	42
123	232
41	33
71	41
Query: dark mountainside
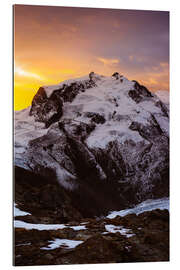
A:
91	146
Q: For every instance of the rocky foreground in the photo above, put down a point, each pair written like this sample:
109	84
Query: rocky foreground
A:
142	238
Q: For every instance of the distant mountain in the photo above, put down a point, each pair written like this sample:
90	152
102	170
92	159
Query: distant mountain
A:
105	140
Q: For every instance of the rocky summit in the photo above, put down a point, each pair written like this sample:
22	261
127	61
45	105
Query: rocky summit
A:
85	147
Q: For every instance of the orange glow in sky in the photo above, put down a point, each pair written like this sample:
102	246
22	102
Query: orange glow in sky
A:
52	44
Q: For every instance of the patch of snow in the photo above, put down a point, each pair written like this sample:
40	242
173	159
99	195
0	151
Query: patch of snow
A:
84	223
113	229
147	205
25	244
18	212
128	248
78	228
40	227
66	243
18	256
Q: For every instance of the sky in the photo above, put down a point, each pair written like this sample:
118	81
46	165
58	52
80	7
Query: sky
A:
52	44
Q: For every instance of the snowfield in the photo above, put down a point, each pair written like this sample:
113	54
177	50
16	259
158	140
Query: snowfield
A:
147	205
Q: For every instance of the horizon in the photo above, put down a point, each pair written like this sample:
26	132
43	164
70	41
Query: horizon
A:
53	44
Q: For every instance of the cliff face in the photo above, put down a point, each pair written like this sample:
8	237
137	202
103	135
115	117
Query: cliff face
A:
105	140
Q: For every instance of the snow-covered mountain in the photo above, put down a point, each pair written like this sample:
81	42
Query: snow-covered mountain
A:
102	138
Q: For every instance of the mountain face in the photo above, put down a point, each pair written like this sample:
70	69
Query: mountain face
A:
105	140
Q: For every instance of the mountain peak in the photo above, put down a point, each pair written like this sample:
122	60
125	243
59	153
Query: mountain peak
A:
92	93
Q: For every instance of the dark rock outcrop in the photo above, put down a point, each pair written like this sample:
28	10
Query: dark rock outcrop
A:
50	109
139	92
95	117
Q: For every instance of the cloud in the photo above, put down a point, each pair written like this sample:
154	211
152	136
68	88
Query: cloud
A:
108	62
158	77
164	65
137	58
21	72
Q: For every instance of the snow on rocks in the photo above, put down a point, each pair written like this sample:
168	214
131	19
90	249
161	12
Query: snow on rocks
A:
26	129
51	88
110	99
147	205
41	227
18	212
65	243
114	229
78	228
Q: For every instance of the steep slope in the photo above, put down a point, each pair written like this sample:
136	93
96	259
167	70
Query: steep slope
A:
104	139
